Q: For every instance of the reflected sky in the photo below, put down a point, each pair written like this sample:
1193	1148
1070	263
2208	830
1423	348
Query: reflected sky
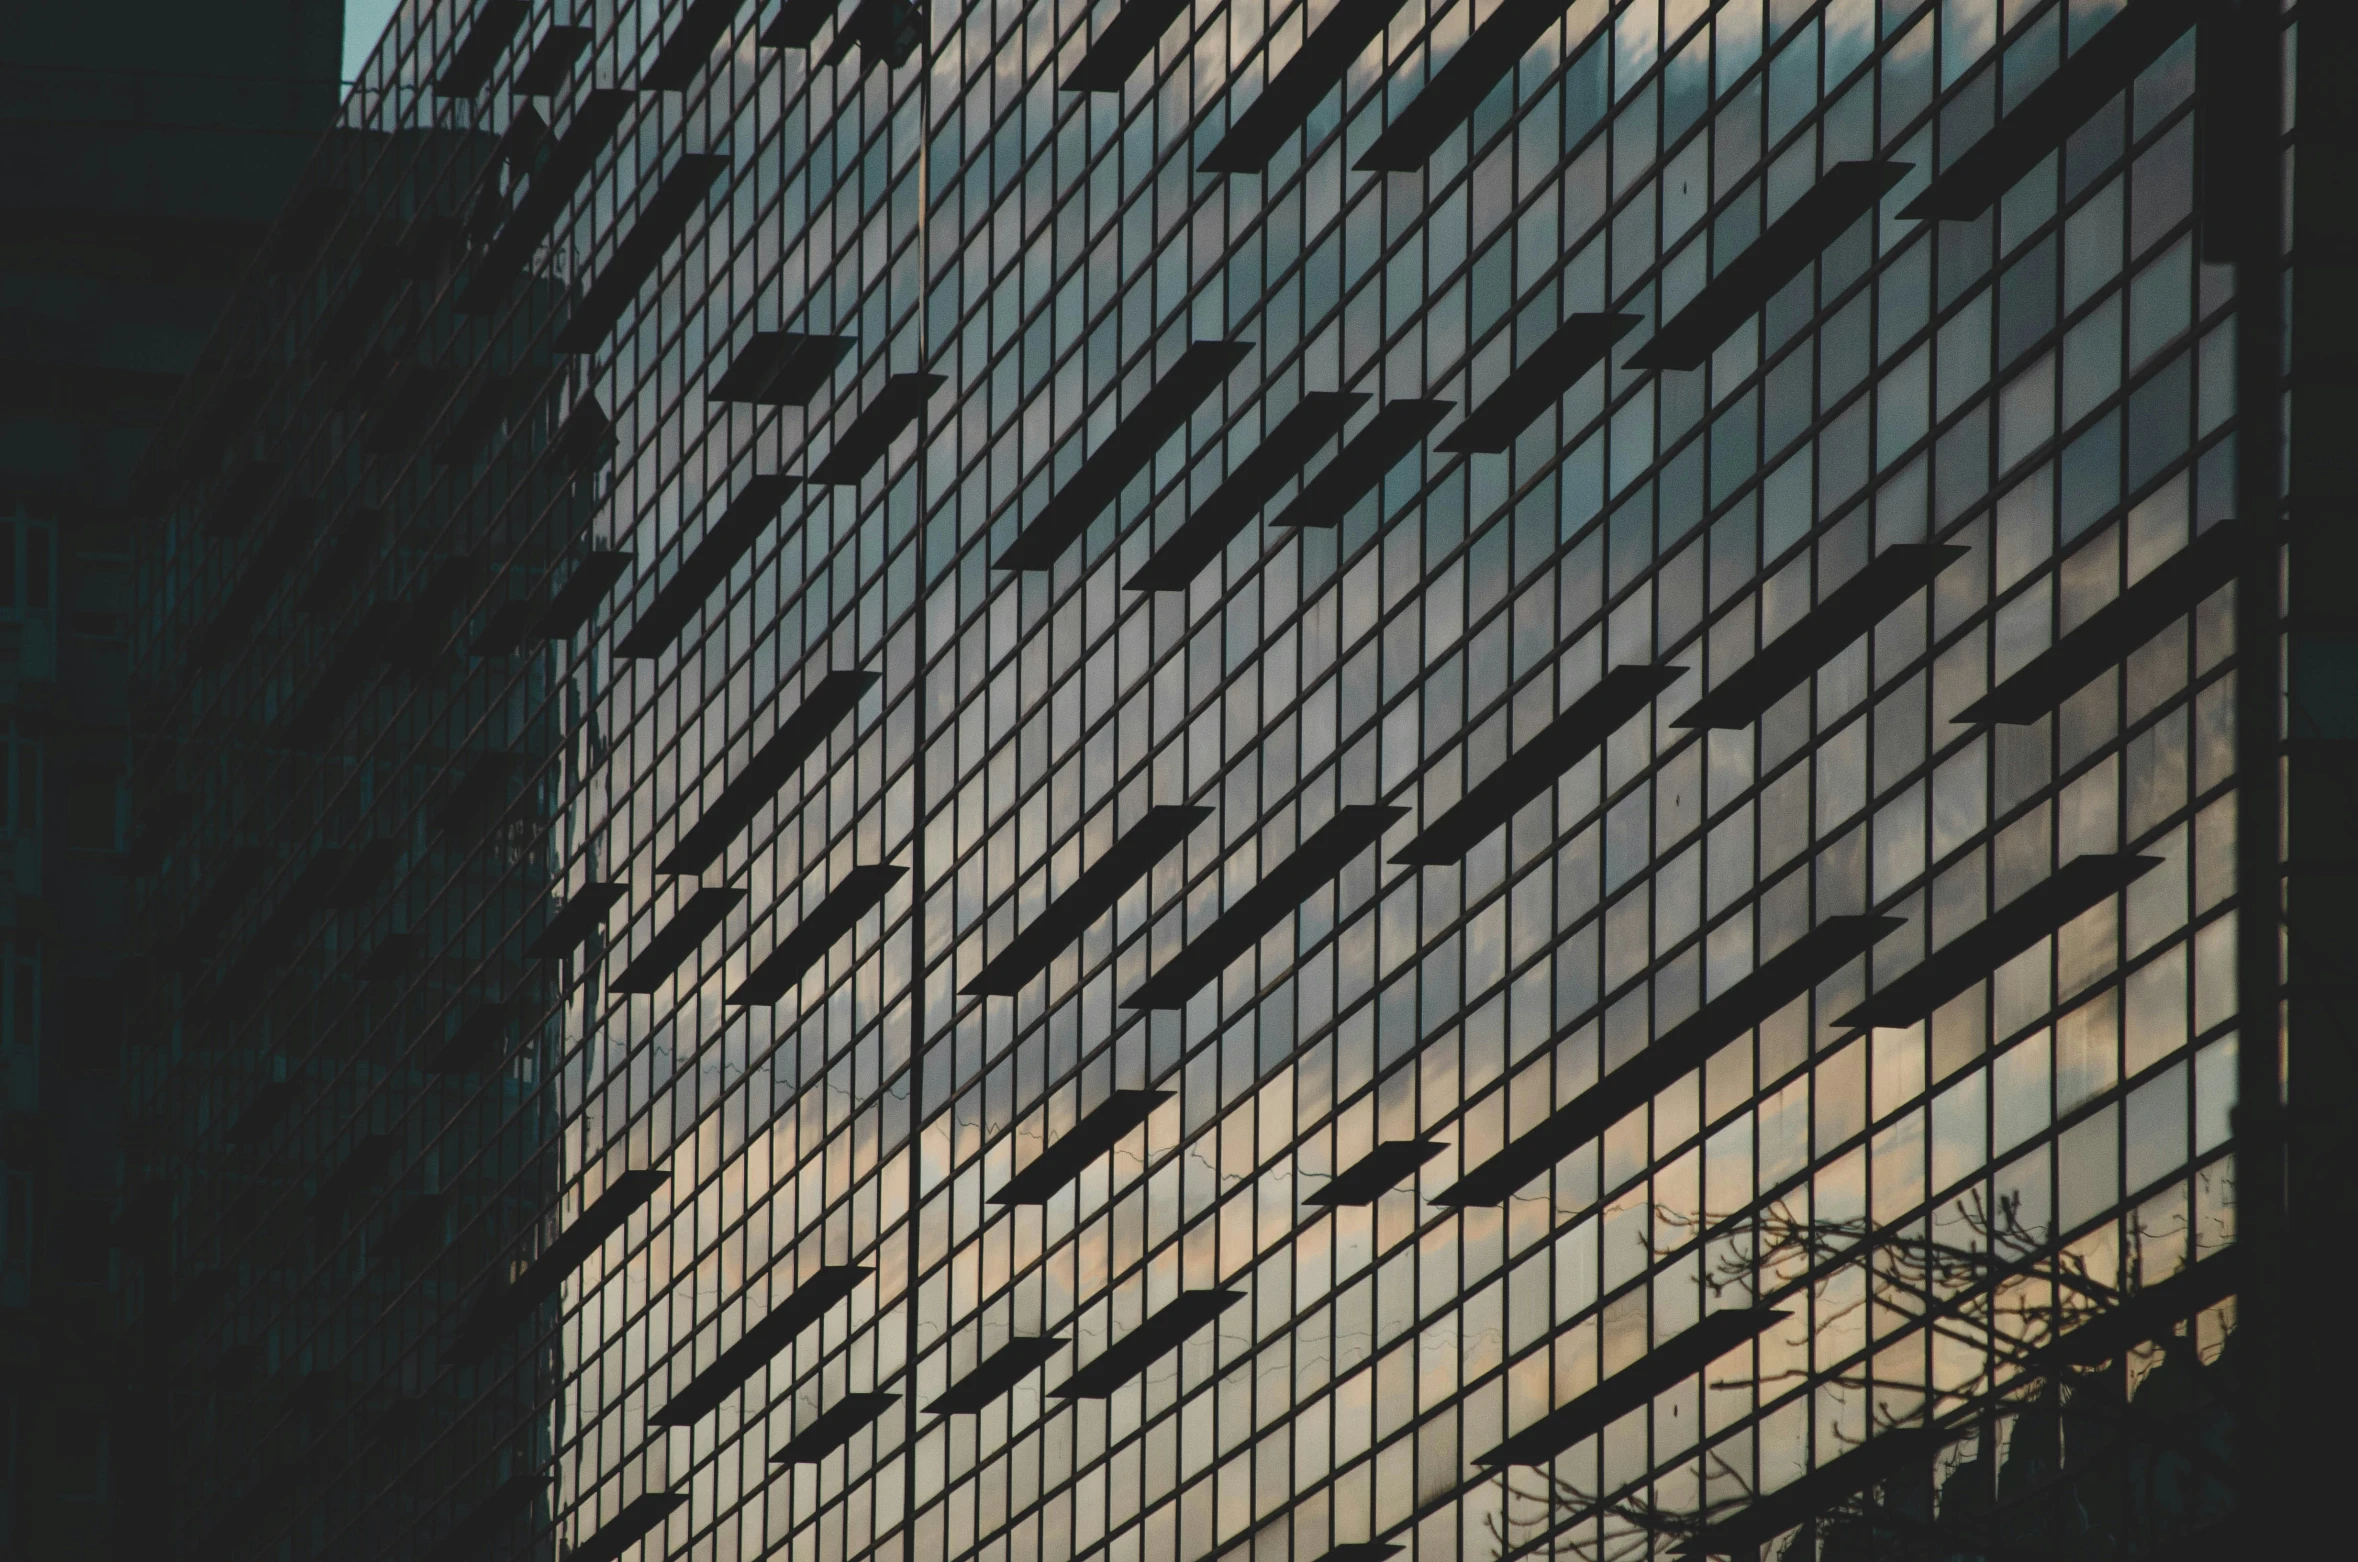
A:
364	24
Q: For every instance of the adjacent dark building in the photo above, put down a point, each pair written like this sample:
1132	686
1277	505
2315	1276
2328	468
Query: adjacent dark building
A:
1161	782
350	760
145	149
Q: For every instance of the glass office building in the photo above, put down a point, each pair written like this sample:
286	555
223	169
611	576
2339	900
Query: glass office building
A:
1463	781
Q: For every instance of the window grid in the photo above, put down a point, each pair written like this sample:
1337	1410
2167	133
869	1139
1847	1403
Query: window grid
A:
1393	646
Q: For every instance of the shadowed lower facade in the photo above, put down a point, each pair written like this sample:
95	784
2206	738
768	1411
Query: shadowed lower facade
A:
145	150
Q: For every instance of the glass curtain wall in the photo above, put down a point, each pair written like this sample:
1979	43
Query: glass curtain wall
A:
1369	778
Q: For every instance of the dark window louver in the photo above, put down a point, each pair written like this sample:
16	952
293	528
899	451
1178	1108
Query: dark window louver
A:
304	899
395	956
401	1418
1124	45
433	242
290	533
1847	193
375	280
572	924
899	402
267	949
1059	1164
507	1501
1459	86
318	1390
353	665
244	494
365	872
228	993
237	1366
1673	1361
2147	1314
508	629
145	1217
1529	771
479	794
1250	485
490	32
232	882
797	738
554	182
1007	1366
1812	958
1126	451
781	368
480	1042
585	440
1359	467
483	415
1317	68
367	376
1132	1354
675	203
802	373
1850	610
550	64
198	1296
256	1504
2167	593
229	403
401	422
1538	383
426	628
570	609
889	31
578	598
502	1307
1376	1173
797	24
1277	894
1100	886
358	541
685	53
304	228
678	939
528	620
422	1224
2096	71
724	542
263	1113
761	1342
486	209
638	1519
167	817
863	889
370	1156
158	486
1685	1047
833	1427
1839	1478
2042	909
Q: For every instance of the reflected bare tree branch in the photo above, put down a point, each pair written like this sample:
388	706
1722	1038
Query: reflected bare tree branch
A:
2005	1296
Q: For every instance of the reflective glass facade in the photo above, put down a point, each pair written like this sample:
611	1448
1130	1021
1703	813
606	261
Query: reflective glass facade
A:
1281	783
